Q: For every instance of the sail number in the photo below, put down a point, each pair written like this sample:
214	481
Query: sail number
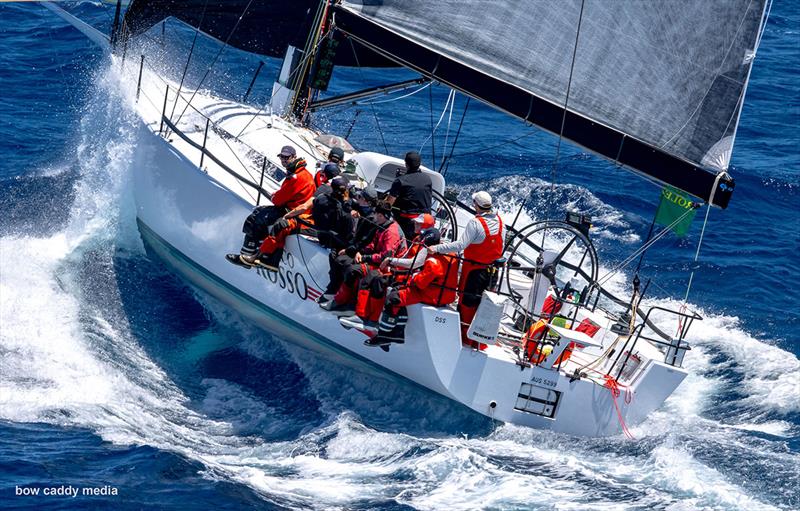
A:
288	279
543	381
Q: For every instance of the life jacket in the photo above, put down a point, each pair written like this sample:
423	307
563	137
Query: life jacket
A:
441	289
488	250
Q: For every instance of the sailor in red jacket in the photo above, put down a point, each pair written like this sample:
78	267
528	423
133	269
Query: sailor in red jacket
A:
297	188
372	288
435	284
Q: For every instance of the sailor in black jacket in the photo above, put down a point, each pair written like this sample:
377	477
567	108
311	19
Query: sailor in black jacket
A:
411	194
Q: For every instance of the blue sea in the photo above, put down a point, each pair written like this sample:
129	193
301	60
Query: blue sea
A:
117	377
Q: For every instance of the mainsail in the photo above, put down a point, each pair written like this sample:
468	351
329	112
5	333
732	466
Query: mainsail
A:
654	86
266	27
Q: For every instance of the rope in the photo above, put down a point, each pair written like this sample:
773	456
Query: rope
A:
390	100
450	97
697	252
614	387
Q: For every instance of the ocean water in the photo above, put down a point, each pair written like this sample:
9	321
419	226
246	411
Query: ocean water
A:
115	375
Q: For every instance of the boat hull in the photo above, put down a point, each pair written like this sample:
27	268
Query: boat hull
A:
191	221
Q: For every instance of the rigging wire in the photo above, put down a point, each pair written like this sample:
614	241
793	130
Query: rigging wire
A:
642	249
488	148
224	45
564	117
447	133
431	138
372	107
560	135
702	234
188	59
269	102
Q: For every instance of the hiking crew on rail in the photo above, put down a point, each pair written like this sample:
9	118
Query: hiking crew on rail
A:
374	272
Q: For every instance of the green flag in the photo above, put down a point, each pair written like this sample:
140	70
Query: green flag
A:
673	205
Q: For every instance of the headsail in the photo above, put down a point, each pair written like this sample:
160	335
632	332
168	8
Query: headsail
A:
267	27
655	86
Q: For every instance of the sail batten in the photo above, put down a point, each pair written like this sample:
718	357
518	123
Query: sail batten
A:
657	86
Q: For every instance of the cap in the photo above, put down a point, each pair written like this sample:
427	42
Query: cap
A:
384	208
331	170
336	154
339	183
413	160
426	219
369	193
287	150
482	199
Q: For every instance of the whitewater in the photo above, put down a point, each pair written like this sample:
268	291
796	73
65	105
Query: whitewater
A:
98	336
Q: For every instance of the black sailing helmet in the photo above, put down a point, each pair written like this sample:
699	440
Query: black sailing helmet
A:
430	236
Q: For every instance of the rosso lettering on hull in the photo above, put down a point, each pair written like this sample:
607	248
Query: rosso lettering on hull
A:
286	278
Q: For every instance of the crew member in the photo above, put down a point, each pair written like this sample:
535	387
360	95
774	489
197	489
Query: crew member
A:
326	171
327	214
362	208
330	213
372	288
388	241
435	284
481	244
297	188
411	193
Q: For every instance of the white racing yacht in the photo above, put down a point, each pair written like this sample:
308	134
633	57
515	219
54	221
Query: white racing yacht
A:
610	76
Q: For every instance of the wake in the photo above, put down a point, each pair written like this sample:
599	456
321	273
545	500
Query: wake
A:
71	358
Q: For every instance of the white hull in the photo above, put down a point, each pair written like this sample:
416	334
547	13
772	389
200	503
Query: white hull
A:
191	220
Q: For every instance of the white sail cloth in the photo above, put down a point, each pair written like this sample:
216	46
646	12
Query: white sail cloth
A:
671	73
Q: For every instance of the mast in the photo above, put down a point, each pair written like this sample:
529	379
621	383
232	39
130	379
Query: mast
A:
303	89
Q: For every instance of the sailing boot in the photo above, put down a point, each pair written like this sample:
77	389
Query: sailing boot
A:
391	328
271	261
342	303
237	260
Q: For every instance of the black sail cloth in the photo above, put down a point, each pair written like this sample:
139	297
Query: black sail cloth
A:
267	27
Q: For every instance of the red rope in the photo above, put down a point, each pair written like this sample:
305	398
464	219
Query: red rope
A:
614	387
